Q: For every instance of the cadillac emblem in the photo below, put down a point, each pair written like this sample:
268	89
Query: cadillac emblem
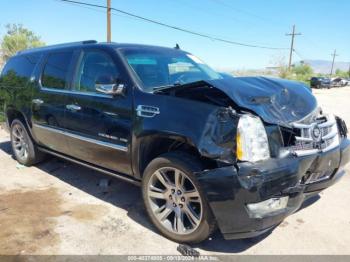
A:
316	133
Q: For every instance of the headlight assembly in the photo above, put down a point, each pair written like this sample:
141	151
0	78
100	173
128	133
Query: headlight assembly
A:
252	143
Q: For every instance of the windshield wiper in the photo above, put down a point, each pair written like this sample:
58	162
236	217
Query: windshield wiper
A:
180	86
157	88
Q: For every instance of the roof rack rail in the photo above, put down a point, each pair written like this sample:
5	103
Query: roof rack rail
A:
85	42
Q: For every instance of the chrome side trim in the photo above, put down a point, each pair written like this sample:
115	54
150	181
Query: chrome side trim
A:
72	92
115	174
89	140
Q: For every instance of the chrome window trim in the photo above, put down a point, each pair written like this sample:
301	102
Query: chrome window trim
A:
65	91
89	140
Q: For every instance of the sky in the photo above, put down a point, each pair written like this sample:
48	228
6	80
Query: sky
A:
324	25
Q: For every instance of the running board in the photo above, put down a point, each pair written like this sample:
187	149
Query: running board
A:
114	174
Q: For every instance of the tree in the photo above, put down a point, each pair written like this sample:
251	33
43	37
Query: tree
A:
341	73
301	72
18	38
281	67
302	69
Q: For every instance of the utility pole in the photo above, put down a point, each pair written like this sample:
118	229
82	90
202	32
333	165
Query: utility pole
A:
334	55
109	37
293	34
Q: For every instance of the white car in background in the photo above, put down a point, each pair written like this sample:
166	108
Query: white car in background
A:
339	82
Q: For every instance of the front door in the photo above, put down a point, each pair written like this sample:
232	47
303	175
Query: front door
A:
99	125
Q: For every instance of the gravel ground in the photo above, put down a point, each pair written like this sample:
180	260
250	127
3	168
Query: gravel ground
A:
58	208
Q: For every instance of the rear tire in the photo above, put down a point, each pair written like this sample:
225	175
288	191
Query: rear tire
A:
25	151
174	199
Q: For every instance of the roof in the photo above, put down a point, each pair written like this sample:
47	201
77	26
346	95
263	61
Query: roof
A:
90	42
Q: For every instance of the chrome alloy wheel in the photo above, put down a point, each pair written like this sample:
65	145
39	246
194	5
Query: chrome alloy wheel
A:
174	200
19	142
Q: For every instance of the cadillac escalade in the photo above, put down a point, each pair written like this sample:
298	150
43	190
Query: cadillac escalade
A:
237	153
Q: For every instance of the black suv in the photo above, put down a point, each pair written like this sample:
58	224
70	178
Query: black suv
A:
241	153
320	82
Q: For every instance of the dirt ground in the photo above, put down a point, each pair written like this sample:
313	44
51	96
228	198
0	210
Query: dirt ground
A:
58	208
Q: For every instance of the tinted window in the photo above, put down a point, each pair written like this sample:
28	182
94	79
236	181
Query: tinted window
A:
15	77
95	67
56	69
18	70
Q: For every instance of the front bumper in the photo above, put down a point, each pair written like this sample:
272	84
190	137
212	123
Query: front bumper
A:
229	189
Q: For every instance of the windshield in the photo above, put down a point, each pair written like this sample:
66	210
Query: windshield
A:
159	68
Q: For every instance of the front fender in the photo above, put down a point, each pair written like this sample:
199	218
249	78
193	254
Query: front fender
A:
208	128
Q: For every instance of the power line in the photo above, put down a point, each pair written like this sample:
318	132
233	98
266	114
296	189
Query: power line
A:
248	24
220	2
299	54
265	19
175	27
99	10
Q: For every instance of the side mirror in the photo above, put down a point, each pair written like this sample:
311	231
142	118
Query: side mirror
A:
109	86
111	89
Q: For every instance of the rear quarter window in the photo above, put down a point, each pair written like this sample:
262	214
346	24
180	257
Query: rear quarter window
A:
18	70
55	73
14	78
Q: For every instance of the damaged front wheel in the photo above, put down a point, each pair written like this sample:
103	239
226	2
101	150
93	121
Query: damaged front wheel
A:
174	200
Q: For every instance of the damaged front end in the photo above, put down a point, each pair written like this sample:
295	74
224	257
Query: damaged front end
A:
250	198
273	146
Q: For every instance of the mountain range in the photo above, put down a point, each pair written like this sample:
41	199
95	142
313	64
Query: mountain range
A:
324	66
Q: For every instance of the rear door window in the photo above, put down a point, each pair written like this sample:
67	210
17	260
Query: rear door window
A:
55	74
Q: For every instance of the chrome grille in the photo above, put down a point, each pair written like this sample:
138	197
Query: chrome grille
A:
319	136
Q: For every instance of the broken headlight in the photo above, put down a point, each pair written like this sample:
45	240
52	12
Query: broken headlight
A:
252	143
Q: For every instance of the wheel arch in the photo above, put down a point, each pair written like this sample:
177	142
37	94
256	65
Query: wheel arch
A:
12	113
152	146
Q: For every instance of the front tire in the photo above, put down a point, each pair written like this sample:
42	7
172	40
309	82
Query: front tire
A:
26	153
174	199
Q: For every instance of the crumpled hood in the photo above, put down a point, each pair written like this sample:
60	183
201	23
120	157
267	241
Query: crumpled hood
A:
276	101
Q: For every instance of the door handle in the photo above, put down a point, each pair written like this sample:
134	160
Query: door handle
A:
37	101
73	107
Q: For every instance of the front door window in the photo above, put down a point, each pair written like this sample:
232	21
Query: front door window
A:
95	66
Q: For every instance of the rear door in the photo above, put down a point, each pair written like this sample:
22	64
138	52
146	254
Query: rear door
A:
99	125
50	100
